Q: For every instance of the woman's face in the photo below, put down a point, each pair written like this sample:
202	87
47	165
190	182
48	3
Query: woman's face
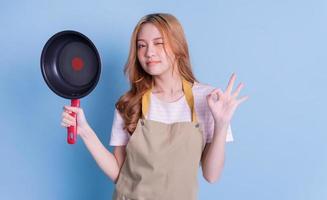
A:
150	50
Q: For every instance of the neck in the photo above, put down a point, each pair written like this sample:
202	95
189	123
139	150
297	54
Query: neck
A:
168	84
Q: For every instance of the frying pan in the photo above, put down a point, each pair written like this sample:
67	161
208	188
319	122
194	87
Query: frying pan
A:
71	67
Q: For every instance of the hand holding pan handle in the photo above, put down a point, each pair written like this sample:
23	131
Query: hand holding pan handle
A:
72	130
71	67
74	120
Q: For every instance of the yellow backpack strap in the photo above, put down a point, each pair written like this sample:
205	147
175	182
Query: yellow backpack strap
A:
187	86
146	103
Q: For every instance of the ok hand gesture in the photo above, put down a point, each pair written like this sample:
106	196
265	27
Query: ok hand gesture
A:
223	104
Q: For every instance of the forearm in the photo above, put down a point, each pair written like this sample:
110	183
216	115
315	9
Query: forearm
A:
104	158
214	155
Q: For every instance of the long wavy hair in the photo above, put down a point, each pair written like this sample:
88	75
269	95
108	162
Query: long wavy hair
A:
129	104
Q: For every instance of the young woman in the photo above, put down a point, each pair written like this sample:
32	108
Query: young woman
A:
167	124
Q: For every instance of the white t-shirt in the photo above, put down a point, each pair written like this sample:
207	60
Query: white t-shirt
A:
177	111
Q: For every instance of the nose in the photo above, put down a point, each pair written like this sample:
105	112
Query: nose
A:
150	51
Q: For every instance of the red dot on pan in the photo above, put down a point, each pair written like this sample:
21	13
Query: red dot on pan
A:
77	63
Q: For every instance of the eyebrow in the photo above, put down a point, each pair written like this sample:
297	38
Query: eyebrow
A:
153	39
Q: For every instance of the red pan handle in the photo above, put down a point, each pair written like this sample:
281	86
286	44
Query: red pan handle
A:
72	130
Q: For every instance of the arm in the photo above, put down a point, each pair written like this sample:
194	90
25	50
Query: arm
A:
213	156
108	162
222	106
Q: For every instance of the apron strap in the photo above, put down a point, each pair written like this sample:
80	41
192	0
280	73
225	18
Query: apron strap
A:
187	87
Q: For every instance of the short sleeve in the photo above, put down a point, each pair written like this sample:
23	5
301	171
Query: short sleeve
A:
119	136
209	130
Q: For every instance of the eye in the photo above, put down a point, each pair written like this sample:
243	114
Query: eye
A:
140	46
159	43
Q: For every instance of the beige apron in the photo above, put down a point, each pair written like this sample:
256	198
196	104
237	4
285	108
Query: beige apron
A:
162	160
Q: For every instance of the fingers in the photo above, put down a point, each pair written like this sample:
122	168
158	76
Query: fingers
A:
231	83
72	109
242	99
216	94
238	89
67	116
67	119
66	123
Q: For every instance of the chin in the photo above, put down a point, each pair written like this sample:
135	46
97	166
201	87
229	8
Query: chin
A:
154	73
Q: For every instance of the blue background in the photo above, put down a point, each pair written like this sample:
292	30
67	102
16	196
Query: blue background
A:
277	48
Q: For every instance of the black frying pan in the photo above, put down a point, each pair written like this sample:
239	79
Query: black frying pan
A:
71	67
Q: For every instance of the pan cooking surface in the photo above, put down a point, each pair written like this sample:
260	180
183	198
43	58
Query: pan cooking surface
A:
77	64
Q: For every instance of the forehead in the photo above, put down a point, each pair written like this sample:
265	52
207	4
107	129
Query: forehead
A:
148	31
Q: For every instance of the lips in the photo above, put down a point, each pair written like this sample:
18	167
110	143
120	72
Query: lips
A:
153	62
